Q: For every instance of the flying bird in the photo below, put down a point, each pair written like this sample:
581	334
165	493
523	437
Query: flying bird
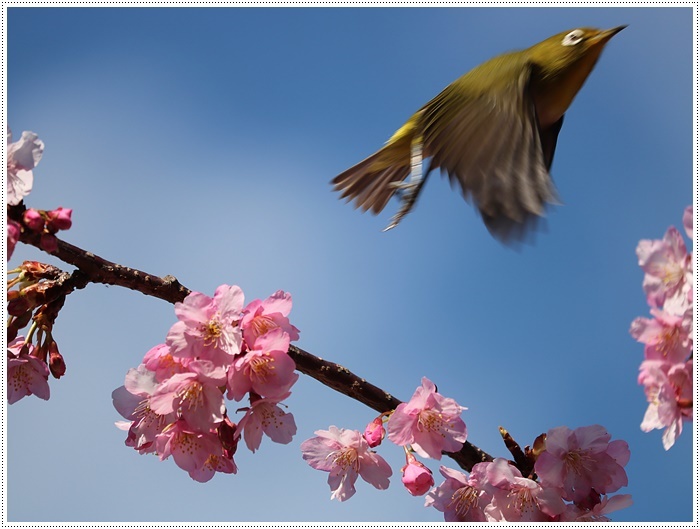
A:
493	131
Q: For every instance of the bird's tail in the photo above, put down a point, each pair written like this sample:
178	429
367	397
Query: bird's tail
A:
373	181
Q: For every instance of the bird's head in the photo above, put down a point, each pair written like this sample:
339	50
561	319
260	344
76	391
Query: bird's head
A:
570	48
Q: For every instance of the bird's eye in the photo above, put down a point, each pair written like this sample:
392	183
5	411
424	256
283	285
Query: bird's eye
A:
573	38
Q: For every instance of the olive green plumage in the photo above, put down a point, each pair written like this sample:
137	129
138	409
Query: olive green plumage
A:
493	131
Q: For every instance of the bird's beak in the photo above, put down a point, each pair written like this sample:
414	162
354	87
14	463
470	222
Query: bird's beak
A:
606	35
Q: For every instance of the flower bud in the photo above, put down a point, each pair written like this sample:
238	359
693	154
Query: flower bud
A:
417	478
228	438
374	433
59	219
57	365
33	220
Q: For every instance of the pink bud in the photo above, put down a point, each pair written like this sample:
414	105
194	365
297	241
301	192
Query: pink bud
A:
417	478
59	219
228	438
33	220
57	365
13	230
48	242
374	433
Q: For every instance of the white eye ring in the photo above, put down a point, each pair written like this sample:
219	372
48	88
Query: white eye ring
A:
573	38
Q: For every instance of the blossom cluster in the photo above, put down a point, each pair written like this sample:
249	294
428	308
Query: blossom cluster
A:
576	470
174	402
667	370
427	424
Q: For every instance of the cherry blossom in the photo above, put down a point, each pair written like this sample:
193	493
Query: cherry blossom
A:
669	391
578	461
266	416
345	454
429	422
260	317
666	336
519	499
267	369
461	498
208	327
26	374
688	222
22	156
13	231
599	512
160	360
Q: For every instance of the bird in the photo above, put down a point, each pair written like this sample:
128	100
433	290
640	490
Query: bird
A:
493	131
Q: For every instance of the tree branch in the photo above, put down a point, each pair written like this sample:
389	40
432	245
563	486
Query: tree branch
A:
93	268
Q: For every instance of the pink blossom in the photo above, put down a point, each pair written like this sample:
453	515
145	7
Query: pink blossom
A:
267	369
200	454
576	461
519	499
260	317
374	432
417	478
459	498
59	219
265	416
688	222
666	336
667	267
26	374
345	454
160	360
22	157
131	401
669	391
195	396
33	220
13	231
429	422
208	327
599	512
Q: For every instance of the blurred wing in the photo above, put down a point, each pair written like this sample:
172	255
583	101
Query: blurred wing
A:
485	137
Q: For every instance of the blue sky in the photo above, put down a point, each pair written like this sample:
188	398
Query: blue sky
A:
201	142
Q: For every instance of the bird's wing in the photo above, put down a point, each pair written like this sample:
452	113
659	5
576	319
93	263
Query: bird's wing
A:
484	135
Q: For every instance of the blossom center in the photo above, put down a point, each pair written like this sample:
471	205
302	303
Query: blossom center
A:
262	367
579	462
669	339
464	499
430	421
211	331
346	458
262	324
192	395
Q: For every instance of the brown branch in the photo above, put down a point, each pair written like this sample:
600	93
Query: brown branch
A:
93	268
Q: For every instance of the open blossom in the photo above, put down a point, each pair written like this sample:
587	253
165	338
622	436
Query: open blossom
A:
194	396
599	512
22	156
345	454
265	416
667	267
26	374
429	422
578	461
417	478
198	453
260	317
461	498
669	391
666	337
519	499
266	370
688	222
160	360
208	327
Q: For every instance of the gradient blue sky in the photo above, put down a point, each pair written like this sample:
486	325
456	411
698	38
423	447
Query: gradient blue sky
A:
200	143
